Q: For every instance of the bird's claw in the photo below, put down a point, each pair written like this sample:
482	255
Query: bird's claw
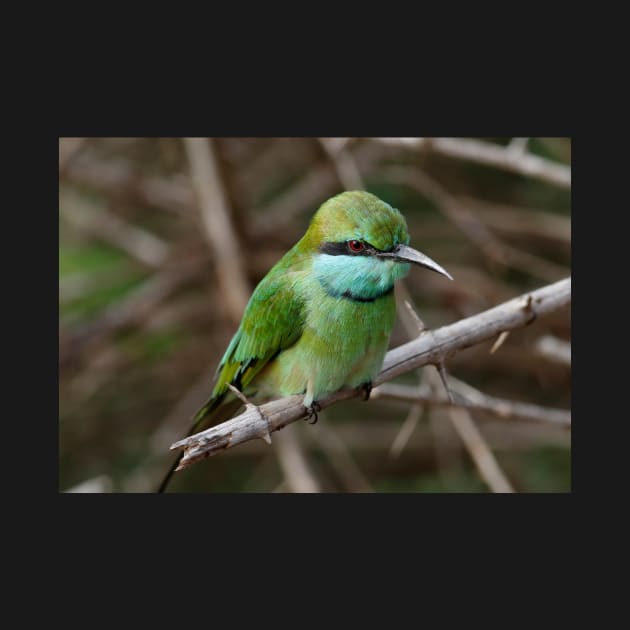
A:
312	412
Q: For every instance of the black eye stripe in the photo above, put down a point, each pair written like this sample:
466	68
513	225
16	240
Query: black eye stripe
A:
342	249
334	249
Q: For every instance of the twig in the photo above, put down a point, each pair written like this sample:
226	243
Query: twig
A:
320	183
476	445
94	219
441	370
345	166
297	473
119	179
497	407
466	221
414	326
340	458
218	226
129	310
483	457
429	348
520	221
554	349
407	428
493	155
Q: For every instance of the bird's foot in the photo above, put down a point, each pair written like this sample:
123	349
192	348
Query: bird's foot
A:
366	388
312	412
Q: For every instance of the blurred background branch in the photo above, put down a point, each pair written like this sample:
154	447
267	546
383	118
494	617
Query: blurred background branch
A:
162	239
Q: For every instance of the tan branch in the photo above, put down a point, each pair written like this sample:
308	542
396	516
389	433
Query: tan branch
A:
218	225
94	219
431	347
345	166
480	452
475	230
298	475
482	152
338	453
309	192
497	407
119	179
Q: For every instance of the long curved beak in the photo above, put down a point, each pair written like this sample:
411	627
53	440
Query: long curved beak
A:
403	253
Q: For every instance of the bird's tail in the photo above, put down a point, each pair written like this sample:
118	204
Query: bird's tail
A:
200	418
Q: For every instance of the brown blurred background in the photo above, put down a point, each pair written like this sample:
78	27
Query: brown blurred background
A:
149	299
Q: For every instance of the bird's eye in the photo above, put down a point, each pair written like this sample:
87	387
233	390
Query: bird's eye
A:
356	246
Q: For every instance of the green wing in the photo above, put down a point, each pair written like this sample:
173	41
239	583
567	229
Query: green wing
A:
272	322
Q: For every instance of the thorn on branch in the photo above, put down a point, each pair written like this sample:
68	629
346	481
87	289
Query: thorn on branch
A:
266	436
499	342
442	372
528	309
415	317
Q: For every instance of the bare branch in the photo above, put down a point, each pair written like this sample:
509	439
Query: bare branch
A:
407	427
94	219
498	407
320	183
347	170
504	158
128	311
340	458
520	221
481	454
218	226
476	445
119	179
431	347
475	230
297	472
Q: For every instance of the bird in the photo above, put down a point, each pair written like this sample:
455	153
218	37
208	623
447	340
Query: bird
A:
321	319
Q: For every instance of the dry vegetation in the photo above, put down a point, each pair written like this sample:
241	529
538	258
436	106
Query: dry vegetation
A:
162	240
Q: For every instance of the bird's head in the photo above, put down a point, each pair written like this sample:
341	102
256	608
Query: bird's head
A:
361	246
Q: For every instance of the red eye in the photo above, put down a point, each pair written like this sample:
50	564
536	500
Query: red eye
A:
355	246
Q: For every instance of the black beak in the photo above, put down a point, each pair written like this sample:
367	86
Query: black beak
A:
406	254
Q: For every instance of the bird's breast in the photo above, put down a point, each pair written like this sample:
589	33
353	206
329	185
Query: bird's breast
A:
343	344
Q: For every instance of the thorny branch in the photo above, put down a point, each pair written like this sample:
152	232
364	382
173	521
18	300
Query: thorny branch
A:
432	347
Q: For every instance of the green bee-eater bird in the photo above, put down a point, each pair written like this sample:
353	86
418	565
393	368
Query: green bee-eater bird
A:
321	319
